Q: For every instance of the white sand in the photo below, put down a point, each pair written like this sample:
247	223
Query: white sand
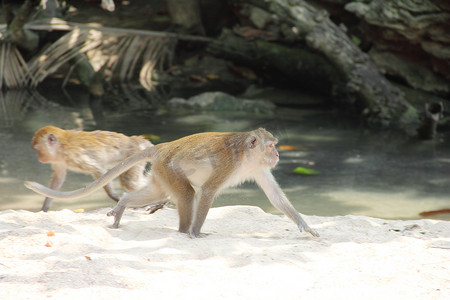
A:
247	254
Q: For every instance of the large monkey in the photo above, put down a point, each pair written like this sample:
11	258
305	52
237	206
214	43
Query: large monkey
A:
91	153
192	170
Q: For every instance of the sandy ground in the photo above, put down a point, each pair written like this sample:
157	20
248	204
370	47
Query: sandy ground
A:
246	254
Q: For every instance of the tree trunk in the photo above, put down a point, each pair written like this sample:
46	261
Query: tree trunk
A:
416	28
299	65
382	103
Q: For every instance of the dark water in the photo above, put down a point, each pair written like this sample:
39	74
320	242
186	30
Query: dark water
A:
362	172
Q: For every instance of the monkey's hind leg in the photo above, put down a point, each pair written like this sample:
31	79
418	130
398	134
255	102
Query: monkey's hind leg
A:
108	188
135	179
142	197
205	201
111	193
184	195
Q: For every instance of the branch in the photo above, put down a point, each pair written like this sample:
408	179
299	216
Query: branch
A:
17	32
382	103
58	24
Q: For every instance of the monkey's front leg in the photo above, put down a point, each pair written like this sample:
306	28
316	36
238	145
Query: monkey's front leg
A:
57	180
278	199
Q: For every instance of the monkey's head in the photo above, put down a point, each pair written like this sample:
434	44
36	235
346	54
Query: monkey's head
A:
265	142
46	142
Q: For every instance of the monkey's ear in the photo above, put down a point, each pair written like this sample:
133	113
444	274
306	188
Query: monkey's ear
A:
253	141
51	139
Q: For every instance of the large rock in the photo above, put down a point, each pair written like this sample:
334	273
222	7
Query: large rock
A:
219	101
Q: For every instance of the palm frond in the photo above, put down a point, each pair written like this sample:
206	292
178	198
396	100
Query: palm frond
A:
129	53
50	59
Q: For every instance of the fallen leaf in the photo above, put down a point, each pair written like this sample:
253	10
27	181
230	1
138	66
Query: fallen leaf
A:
305	171
212	76
80	210
87	257
250	33
152	137
198	78
435	212
171	69
288	147
243	71
49	244
50	233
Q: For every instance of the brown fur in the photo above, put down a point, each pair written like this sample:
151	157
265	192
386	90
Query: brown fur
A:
90	153
193	170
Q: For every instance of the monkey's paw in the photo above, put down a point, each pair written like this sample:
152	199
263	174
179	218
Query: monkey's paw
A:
197	235
304	227
312	231
111	213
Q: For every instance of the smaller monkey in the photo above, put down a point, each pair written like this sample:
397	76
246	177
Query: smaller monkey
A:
192	171
91	153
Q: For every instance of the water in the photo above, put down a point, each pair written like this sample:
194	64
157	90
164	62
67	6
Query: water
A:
377	174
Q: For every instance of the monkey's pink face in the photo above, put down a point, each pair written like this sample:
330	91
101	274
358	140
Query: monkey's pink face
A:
272	155
43	155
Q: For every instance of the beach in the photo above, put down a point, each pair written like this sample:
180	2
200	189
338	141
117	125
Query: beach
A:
244	253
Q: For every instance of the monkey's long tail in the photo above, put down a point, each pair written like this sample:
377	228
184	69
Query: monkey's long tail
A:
97	184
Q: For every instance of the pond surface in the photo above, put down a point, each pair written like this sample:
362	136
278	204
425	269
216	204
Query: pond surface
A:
361	172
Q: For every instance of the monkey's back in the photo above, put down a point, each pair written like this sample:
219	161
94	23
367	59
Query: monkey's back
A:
88	150
201	158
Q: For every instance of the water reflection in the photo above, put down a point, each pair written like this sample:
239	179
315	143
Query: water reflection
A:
13	106
377	174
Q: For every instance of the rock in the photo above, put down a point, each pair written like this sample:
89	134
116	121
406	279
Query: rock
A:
219	101
414	74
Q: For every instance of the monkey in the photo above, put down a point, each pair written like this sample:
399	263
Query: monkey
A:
192	171
91	153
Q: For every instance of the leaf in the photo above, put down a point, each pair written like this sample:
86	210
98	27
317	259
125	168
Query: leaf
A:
356	40
305	171
151	137
212	76
243	71
189	62
435	212
197	78
289	148
50	233
171	69
80	210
